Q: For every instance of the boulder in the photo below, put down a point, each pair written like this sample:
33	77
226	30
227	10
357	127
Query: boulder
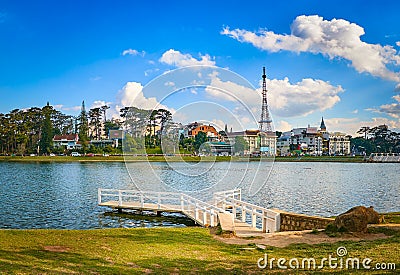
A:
356	219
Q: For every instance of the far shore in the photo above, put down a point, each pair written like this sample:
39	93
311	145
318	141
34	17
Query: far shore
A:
160	158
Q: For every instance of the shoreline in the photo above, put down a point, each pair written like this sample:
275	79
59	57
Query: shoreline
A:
60	159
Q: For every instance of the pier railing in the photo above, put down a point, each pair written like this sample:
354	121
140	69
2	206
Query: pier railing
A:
258	217
201	212
384	157
234	193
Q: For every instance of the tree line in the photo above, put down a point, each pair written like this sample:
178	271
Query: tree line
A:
31	131
378	139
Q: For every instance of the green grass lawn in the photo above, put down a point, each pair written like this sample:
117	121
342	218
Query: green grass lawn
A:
161	251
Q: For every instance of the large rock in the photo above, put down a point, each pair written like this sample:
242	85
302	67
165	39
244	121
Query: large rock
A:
356	219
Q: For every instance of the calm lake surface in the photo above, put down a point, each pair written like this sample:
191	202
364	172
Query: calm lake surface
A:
64	195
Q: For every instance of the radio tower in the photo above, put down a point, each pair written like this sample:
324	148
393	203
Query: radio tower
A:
265	122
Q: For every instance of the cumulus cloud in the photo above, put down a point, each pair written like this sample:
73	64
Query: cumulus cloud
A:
133	52
283	126
178	59
132	95
392	109
336	38
398	43
284	98
99	103
301	98
352	125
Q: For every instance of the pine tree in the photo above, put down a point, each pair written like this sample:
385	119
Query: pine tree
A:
46	139
83	128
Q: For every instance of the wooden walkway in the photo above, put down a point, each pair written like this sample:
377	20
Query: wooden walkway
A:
226	209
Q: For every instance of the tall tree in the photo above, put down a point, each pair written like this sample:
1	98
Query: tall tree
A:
364	130
199	139
46	139
164	117
95	123
83	128
240	144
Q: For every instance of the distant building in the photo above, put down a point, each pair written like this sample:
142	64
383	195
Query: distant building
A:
221	148
102	143
116	136
339	144
209	130
69	141
259	142
313	141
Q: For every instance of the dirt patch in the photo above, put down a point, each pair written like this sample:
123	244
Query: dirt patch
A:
282	239
56	248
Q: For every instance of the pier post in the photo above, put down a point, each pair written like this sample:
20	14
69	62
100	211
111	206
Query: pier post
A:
182	204
99	195
243	214
264	222
253	218
196	212
119	197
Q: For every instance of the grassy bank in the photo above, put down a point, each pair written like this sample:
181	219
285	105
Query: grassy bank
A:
174	158
161	251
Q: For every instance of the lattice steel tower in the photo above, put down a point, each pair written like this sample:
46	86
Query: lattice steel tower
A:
265	124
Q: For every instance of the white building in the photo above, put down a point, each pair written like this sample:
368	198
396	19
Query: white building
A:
313	141
339	144
258	142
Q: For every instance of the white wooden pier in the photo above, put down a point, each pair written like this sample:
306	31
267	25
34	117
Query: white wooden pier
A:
226	209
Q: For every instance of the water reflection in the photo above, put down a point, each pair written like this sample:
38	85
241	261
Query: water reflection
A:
64	195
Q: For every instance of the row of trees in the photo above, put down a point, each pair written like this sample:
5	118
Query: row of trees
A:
25	131
376	139
32	130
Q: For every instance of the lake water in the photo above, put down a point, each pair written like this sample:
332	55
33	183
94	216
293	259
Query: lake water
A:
64	195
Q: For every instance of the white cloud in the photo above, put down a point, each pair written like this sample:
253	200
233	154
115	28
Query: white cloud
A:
355	111
99	103
150	71
336	38
133	52
169	84
218	124
178	59
301	98
132	95
63	108
284	126
284	98
392	109
352	125
398	43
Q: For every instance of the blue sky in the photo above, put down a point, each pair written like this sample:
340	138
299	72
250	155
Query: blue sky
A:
337	59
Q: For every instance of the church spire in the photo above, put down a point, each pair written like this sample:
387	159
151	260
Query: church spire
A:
322	127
